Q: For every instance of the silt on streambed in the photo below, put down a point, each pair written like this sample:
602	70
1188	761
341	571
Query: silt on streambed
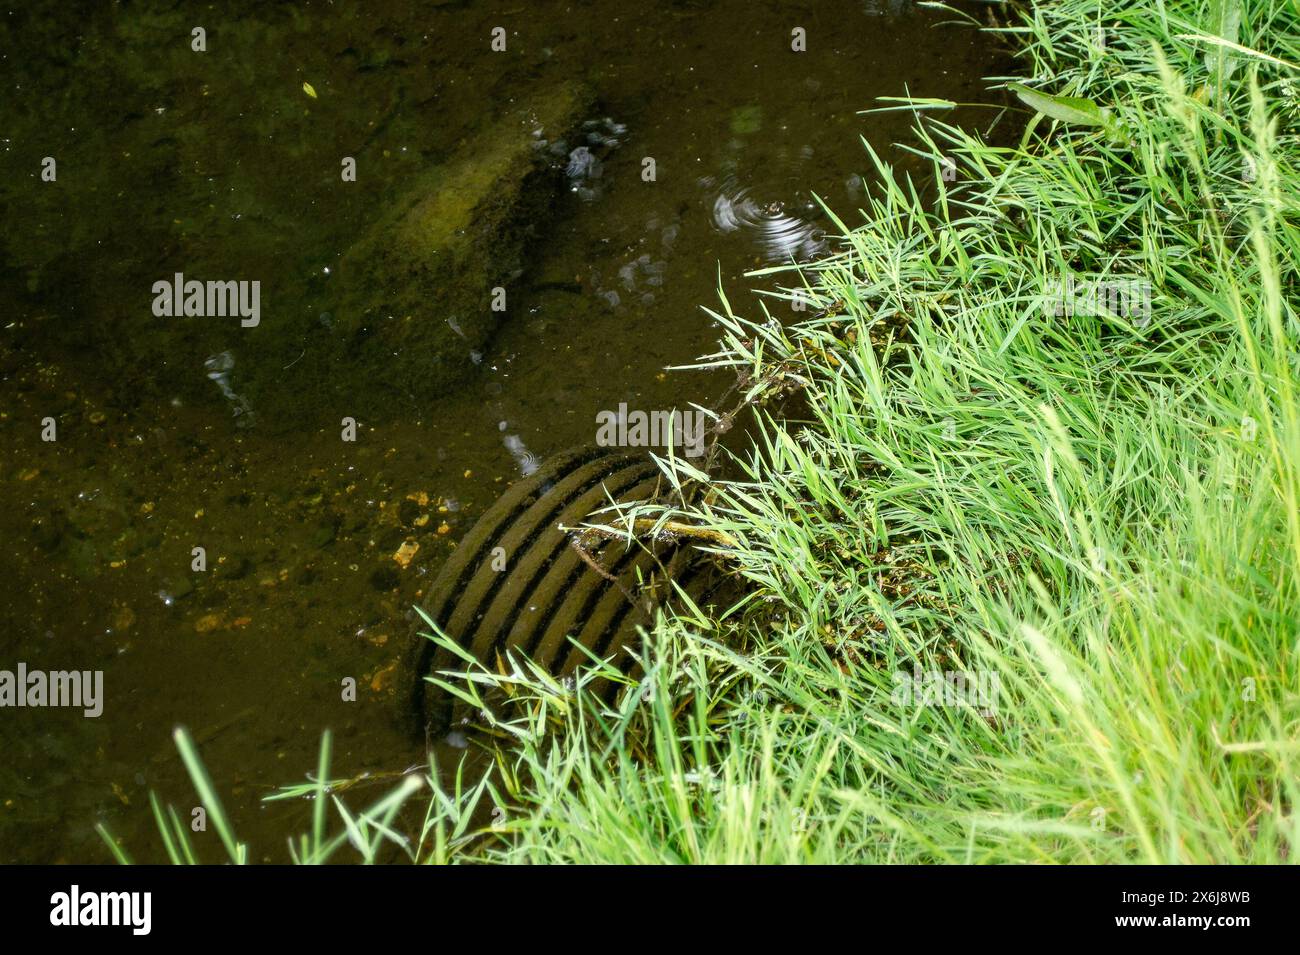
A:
473	170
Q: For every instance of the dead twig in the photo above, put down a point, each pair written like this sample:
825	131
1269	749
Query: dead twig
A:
650	527
585	556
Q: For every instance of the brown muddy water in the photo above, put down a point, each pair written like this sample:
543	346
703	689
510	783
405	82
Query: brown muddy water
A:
176	432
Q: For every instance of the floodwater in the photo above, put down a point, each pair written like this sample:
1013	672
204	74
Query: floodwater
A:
173	433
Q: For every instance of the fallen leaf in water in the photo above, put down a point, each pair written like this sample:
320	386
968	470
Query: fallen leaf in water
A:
382	678
207	623
405	553
309	90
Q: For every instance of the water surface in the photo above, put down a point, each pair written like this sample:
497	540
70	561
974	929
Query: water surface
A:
220	165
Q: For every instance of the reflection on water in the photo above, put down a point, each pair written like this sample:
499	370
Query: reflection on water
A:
219	368
525	459
175	433
781	230
585	167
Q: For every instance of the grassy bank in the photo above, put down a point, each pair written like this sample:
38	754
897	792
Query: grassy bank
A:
1095	518
1098	515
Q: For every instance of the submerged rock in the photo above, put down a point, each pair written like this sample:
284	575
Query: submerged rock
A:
415	293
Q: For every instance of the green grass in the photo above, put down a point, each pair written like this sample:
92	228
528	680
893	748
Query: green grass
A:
1098	516
1103	513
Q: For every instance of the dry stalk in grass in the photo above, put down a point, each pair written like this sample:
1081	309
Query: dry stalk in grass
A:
643	527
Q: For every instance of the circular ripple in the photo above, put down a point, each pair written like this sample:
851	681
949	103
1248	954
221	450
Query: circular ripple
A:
782	230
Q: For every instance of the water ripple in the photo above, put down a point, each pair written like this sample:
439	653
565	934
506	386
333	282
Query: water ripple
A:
782	230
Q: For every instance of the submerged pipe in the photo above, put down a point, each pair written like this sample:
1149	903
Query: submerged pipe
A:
517	583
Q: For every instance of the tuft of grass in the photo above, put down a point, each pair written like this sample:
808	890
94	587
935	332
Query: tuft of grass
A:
368	833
